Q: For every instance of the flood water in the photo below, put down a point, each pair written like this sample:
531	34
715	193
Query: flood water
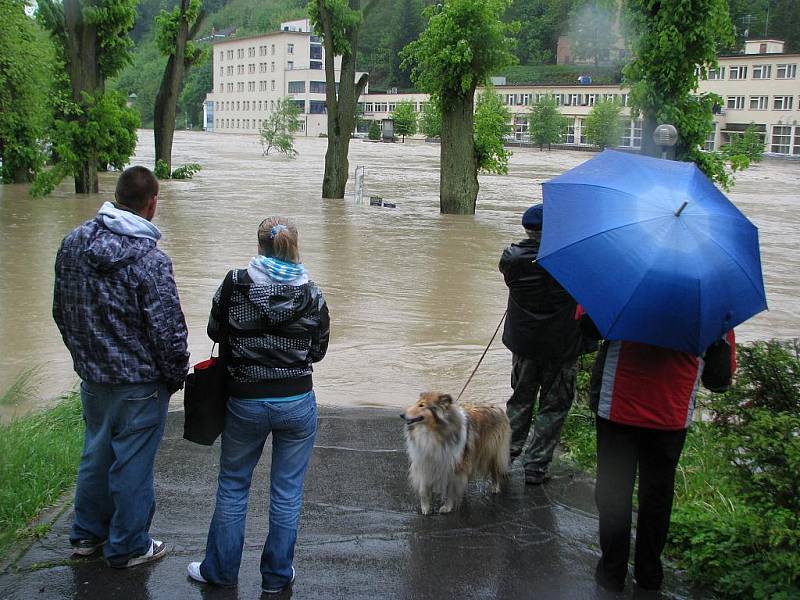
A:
414	295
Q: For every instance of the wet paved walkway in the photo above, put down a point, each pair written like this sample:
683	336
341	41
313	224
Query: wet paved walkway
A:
361	534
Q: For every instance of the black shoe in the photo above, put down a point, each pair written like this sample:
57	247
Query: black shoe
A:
537	477
606	582
86	547
647	584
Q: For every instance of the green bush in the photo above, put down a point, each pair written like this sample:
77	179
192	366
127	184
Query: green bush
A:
186	171
162	169
374	132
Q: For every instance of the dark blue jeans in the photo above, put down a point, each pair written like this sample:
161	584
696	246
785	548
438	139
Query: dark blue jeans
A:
293	426
114	496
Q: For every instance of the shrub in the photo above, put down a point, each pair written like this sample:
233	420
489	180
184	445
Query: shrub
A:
186	171
374	132
162	169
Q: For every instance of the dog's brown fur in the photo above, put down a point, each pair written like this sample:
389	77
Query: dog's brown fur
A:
448	444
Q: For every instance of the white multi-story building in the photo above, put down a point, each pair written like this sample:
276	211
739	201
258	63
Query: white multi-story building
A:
758	87
252	73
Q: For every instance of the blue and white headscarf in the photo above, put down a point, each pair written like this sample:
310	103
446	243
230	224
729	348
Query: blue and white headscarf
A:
268	269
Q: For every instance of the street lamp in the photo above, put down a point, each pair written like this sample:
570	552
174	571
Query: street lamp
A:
665	136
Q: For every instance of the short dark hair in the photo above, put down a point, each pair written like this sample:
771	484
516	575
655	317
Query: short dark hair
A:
135	187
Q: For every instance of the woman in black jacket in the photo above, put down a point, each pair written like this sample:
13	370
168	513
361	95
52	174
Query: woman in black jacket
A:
278	325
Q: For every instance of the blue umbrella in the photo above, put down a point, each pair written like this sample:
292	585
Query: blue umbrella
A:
653	251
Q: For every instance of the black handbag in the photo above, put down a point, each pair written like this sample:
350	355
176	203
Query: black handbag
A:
205	396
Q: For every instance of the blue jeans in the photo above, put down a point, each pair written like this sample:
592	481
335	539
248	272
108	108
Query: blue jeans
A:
114	496
248	424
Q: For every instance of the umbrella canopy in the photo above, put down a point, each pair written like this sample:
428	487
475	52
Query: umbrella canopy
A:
653	251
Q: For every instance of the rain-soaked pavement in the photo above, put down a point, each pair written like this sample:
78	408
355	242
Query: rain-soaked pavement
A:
361	534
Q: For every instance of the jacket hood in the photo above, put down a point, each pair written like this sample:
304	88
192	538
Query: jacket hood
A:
125	222
106	250
283	303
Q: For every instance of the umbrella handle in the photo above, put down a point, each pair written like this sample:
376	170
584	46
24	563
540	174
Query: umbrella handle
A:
680	210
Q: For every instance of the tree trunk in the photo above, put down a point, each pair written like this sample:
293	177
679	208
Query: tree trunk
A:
167	97
458	178
341	109
85	77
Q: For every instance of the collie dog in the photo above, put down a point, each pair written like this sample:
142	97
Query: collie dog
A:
449	444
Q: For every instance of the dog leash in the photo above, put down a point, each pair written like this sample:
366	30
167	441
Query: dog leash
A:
480	360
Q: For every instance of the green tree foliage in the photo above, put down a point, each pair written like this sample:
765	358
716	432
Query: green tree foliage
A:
374	132
407	24
676	39
92	44
103	130
26	77
465	41
546	125
603	124
593	29
744	148
430	119
276	130
773	19
541	22
197	83
405	119
143	78
492	125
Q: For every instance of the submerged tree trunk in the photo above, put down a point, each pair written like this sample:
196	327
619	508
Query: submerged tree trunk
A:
458	176
85	77
167	97
341	108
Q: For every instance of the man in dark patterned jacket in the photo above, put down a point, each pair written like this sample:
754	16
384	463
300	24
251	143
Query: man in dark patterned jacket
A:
117	307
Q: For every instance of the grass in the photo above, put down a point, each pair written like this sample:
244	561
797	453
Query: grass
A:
24	389
39	456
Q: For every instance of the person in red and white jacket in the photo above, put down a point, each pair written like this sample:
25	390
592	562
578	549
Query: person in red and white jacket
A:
644	397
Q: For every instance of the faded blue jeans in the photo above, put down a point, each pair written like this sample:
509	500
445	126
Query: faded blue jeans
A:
114	496
248	423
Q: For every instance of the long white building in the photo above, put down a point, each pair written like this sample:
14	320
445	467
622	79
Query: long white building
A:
250	75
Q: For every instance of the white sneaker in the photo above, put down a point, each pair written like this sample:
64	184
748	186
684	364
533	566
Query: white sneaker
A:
280	589
157	550
194	572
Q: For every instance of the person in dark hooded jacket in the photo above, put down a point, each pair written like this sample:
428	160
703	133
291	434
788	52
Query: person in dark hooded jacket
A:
545	341
116	305
278	326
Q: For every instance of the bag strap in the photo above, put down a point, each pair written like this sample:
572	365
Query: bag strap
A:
224	315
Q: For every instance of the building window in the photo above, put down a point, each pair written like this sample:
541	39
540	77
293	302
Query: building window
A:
272	66
289	48
317	87
762	71
526	99
316	52
238	105
316	107
240	53
521	128
718	73
316	64
709	144
781	139
230	54
367	106
221	55
735	102
738	72
272	85
251	86
289	65
759	102
272	50
300	104
786	71
272	104
297	87
783	102
221	71
632	133
251	51
571	132
796	145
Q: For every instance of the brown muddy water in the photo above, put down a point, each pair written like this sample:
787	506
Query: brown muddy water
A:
414	295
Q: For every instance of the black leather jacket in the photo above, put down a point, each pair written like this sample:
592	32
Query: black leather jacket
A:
276	332
541	314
